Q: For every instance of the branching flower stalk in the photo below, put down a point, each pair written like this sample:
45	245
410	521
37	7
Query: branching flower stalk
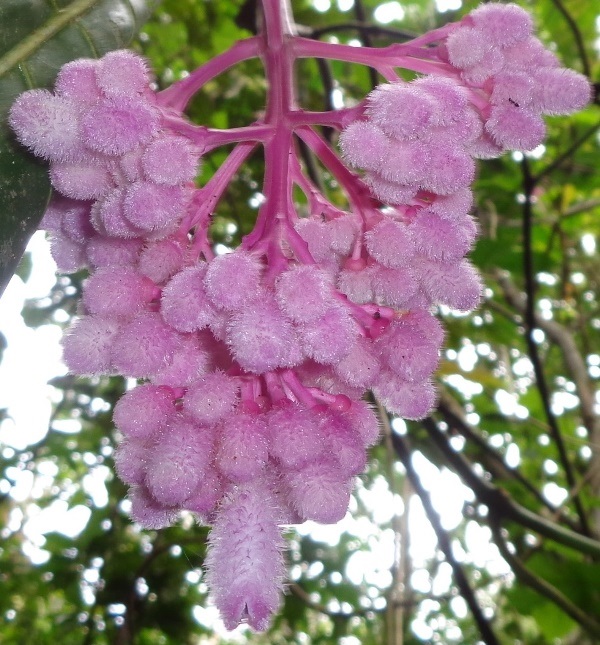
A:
252	365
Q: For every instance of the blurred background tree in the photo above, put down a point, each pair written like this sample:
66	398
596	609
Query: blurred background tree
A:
479	524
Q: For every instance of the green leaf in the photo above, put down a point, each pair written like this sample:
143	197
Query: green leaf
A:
37	37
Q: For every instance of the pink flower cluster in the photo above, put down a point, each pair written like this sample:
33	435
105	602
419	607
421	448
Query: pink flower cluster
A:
252	365
514	78
126	176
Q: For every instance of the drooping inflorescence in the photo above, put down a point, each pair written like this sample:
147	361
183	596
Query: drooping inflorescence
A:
252	365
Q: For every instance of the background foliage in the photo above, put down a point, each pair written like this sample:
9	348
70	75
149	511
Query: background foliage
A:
517	419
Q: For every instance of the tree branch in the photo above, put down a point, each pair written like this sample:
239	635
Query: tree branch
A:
530	326
503	506
542	586
567	154
453	416
483	624
585	63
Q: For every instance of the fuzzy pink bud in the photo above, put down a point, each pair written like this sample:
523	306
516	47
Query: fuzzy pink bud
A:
143	411
244	565
47	124
261	339
410	354
147	511
407	399
360	366
108	217
515	128
455	205
304	292
188	363
394	287
185	305
451	98
177	461
80	180
319	491
344	443
161	260
211	398
363	418
456	285
122	73
502	24
232	279
364	145
296	437
144	346
117	292
329	338
88	343
105	251
130	461
118	125
402	110
450	167
357	284
243	447
207	495
439	238
170	160
466	46
318	237
390	192
561	91
153	207
68	255
76	223
77	81
390	243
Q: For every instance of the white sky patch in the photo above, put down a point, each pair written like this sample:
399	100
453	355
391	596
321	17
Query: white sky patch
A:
536	153
466	387
345	5
322	5
588	244
467	357
512	456
448	5
32	358
388	12
509	405
337	98
554	493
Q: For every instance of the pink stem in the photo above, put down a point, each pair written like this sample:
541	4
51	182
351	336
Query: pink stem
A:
417	59
281	102
338	119
356	195
210	138
177	95
210	194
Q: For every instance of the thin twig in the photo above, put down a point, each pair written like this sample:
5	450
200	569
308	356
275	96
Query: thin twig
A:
362	28
566	155
585	63
361	17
